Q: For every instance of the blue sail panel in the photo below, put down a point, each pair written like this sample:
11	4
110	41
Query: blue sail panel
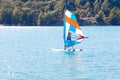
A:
72	29
73	17
64	31
70	43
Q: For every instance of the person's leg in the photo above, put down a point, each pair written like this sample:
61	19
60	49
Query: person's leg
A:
73	48
64	47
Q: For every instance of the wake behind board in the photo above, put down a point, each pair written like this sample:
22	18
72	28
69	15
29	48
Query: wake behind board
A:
62	50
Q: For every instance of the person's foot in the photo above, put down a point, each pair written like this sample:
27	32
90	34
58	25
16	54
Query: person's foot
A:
73	49
81	50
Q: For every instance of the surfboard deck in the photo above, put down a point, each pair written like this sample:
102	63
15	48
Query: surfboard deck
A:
62	50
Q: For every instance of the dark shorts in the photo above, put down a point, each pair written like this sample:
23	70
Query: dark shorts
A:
68	38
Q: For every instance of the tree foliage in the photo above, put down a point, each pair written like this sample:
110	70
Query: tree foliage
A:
51	12
100	16
115	16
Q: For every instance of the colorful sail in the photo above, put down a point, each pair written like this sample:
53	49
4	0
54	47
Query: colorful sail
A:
72	32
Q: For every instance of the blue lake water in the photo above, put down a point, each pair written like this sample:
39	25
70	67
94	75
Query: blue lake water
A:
25	54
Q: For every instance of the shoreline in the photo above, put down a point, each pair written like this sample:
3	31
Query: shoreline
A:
52	26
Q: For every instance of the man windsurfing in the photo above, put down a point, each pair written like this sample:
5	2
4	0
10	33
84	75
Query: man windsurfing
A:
69	39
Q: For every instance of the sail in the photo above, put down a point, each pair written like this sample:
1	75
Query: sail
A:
72	32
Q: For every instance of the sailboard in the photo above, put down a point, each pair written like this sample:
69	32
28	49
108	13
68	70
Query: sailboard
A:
72	32
62	50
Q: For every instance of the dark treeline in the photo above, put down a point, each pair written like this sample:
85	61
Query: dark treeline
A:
50	12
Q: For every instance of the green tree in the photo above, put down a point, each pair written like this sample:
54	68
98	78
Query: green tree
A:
100	16
115	16
105	7
17	16
87	5
6	16
96	6
25	16
39	19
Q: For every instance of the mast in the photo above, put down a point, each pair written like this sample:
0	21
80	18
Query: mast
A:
64	23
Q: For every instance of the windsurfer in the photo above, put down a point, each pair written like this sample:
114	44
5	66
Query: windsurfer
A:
69	38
